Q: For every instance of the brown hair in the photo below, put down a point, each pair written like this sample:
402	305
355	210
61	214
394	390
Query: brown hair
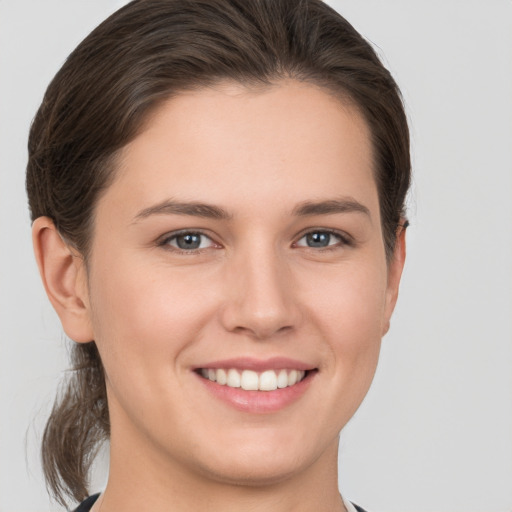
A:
143	54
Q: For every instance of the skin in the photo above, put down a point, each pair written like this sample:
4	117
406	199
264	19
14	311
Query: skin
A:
254	288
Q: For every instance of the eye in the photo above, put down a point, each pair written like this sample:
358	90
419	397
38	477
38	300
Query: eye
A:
321	239
188	241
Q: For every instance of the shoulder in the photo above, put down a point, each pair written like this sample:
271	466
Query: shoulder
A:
87	504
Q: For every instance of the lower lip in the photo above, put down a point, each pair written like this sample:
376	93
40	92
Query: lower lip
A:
258	401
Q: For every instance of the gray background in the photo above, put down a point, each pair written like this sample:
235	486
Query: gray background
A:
435	432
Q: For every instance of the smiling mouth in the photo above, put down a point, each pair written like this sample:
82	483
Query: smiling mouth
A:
249	380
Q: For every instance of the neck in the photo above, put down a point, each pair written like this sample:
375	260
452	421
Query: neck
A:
141	482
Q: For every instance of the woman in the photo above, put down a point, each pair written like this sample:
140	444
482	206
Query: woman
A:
217	193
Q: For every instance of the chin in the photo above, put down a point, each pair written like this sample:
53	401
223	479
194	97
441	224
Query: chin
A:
253	473
261	463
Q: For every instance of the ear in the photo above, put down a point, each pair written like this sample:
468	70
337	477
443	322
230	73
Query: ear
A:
395	268
64	278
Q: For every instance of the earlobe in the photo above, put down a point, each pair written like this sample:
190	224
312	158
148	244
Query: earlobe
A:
63	273
395	268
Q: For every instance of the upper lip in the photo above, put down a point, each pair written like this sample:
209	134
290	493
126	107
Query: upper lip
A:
259	365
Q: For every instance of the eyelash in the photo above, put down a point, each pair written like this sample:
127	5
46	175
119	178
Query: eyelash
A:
166	240
344	241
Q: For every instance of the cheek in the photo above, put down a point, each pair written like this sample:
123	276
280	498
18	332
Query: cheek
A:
352	294
348	307
143	315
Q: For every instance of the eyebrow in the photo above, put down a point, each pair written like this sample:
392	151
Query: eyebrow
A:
330	206
209	211
169	207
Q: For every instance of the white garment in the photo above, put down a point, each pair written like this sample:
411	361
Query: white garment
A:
348	505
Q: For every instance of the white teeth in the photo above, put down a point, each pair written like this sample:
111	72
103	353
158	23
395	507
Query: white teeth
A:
222	377
282	379
268	381
249	380
233	380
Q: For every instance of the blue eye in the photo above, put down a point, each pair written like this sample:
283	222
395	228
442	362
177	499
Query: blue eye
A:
189	241
321	239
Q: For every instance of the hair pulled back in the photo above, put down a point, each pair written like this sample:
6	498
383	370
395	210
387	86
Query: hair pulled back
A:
140	56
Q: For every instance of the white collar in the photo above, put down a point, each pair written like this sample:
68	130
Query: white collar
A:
348	505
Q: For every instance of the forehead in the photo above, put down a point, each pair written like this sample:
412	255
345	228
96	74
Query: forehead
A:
229	143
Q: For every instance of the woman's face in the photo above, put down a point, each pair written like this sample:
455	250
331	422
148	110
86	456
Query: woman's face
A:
240	240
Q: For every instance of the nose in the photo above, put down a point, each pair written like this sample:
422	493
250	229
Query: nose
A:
260	298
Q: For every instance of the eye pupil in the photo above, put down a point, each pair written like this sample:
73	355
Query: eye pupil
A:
189	241
318	239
